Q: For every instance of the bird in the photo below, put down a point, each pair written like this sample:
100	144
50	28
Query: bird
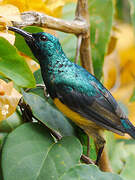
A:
77	93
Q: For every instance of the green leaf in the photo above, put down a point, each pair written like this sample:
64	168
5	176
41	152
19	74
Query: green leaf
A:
116	152
122	156
62	156
30	153
132	99
38	77
40	92
118	157
2	138
68	42
122	11
25	151
21	44
110	143
128	172
101	15
85	172
132	12
13	66
68	11
84	141
11	122
48	115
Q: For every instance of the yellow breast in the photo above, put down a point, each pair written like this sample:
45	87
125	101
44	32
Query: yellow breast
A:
75	117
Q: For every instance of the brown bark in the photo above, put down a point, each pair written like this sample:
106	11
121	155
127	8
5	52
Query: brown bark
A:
39	19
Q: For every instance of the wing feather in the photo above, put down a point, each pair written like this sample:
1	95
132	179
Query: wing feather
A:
96	108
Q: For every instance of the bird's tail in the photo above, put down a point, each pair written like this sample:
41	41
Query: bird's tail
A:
129	128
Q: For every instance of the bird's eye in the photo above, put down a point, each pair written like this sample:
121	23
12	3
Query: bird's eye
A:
43	38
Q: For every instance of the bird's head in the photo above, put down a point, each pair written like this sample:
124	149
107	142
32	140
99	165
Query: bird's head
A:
41	44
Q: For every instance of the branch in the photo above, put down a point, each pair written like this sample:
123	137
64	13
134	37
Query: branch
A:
86	159
39	19
85	50
79	26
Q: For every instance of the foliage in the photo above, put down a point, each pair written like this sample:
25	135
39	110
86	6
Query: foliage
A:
42	157
101	16
29	150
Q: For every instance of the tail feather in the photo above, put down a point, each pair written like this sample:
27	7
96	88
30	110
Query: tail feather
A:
129	128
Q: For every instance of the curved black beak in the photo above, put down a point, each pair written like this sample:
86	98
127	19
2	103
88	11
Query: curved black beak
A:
28	36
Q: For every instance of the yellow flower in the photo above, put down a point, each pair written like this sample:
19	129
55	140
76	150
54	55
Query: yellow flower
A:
9	99
50	7
8	13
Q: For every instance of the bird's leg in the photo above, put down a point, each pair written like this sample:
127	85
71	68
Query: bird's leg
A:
102	159
99	154
100	142
88	146
98	137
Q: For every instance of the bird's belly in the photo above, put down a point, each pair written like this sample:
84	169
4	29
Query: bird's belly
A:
75	117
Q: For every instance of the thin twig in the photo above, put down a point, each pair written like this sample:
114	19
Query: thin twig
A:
88	146
86	159
79	40
54	133
28	116
41	86
37	85
39	19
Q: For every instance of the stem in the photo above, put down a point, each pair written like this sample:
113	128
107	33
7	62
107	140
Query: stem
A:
79	40
86	159
85	50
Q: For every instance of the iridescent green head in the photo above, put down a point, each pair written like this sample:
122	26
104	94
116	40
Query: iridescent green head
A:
40	43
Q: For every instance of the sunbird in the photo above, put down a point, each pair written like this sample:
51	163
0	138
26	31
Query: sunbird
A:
76	92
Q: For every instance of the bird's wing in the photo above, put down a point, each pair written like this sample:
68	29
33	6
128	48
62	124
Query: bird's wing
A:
97	107
107	95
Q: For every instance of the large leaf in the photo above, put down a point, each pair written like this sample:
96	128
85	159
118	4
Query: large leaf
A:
2	138
24	152
11	122
13	66
29	153
101	15
51	117
21	44
128	172
122	156
85	172
62	156
129	161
